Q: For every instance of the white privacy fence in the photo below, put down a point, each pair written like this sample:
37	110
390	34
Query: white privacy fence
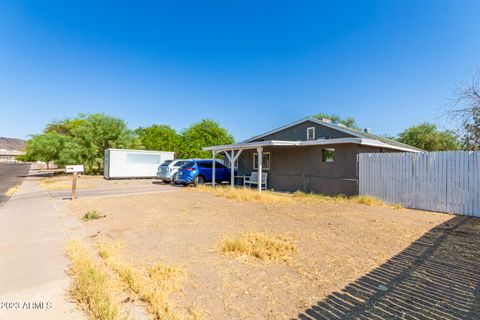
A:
438	181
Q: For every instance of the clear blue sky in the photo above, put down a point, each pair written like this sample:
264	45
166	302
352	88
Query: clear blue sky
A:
251	65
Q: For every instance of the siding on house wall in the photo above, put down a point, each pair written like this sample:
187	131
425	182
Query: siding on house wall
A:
299	132
302	168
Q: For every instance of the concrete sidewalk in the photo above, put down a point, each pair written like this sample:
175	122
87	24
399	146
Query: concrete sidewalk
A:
33	278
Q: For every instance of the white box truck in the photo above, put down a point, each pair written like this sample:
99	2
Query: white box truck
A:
125	163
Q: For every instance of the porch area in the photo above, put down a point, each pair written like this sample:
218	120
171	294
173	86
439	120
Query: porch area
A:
233	152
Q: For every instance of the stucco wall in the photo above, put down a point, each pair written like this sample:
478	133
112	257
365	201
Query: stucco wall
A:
301	168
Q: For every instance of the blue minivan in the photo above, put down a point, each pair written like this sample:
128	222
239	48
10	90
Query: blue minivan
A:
200	171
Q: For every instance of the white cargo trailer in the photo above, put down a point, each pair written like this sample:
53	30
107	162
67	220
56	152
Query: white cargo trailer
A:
125	163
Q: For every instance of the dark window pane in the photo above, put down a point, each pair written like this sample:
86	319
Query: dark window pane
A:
188	164
205	164
219	165
265	161
166	163
328	155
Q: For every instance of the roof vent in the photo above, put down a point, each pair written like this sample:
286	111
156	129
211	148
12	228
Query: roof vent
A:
367	130
326	120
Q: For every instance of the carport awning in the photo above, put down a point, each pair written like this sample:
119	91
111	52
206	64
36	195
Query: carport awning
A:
251	145
259	144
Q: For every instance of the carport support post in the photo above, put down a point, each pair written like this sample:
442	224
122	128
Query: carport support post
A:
260	158
232	169
213	167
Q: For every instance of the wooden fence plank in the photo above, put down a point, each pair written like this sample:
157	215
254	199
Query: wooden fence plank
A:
446	181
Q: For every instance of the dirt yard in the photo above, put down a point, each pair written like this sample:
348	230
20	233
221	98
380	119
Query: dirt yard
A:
64	182
336	243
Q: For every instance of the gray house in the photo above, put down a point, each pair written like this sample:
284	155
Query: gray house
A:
310	155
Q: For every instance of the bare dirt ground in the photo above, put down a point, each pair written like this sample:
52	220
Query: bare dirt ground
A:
64	182
336	244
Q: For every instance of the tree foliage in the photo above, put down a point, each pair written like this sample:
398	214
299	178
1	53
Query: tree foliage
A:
159	137
349	121
202	134
81	141
427	137
466	109
45	147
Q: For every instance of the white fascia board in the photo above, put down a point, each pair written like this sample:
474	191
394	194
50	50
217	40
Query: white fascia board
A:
331	141
251	145
377	143
366	142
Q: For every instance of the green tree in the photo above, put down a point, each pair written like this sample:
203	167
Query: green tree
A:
349	122
91	136
45	147
426	136
202	134
82	140
159	137
65	126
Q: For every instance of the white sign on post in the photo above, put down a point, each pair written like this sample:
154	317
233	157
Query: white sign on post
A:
74	169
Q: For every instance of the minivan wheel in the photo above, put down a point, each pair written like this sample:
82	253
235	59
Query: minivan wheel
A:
198	180
185	184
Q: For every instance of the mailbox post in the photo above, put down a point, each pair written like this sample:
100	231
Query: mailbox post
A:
75	169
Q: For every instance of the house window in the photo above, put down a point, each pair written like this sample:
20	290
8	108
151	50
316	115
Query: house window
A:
311	133
328	155
265	161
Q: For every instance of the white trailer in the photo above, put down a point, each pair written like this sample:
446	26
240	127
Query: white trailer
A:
125	163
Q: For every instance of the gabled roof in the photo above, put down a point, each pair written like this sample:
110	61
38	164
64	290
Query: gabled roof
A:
354	132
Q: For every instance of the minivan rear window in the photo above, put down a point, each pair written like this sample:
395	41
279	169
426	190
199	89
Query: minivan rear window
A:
188	164
166	163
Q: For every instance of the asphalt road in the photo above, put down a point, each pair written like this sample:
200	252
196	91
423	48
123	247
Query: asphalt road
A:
11	174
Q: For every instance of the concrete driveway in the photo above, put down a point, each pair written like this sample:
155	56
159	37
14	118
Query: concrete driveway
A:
114	191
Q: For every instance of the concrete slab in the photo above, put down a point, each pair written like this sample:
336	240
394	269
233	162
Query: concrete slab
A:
113	191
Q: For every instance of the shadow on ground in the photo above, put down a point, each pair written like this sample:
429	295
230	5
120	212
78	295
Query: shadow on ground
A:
436	277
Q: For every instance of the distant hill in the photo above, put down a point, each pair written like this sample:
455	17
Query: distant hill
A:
12	144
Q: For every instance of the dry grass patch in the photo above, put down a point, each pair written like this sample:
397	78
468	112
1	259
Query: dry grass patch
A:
10	192
245	194
367	200
263	246
92	286
154	285
248	194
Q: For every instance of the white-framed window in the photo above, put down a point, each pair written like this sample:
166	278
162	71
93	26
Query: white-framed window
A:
311	133
265	161
235	165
